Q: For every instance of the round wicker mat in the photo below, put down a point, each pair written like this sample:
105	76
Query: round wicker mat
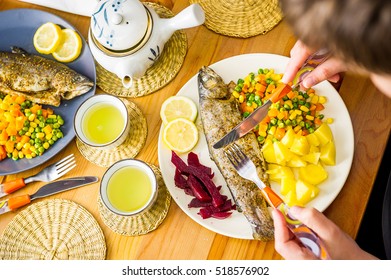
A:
53	229
141	223
240	18
159	74
128	149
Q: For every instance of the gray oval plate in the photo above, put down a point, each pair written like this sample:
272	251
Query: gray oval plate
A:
17	28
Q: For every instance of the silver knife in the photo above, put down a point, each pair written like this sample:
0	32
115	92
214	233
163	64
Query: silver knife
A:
254	119
49	189
260	113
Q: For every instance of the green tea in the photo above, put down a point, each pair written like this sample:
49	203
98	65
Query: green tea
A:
103	123
129	189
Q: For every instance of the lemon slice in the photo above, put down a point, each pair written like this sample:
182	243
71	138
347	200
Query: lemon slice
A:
180	135
70	47
47	38
178	107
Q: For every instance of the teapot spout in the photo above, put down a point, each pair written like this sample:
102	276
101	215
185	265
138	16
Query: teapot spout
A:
190	17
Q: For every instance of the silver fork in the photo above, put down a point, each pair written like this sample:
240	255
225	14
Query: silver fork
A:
247	169
50	173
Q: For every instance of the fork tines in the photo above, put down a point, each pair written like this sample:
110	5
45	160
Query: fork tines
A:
235	155
66	164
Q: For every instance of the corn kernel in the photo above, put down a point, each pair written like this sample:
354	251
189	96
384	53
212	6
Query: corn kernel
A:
322	99
241	99
329	120
304	108
31	117
40	135
298	112
309	117
29	156
33	125
20	154
19	145
46	145
315	99
27	145
272	130
235	94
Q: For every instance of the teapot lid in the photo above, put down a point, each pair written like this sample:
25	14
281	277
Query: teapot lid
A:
120	25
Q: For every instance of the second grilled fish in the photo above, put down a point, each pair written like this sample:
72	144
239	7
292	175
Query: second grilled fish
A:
220	113
38	79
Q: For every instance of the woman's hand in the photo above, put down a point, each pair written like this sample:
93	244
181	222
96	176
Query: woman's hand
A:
328	70
338	244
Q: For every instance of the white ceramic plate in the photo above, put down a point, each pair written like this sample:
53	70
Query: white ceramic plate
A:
238	67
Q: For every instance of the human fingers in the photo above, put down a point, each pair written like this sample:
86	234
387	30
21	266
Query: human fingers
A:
285	243
328	70
299	54
314	219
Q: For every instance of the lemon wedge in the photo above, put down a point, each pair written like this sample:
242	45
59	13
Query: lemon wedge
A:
178	107
70	47
47	38
180	135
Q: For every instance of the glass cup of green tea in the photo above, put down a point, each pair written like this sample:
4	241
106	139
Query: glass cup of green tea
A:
128	187
102	121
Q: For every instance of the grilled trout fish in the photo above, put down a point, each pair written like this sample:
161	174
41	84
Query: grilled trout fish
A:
40	80
220	113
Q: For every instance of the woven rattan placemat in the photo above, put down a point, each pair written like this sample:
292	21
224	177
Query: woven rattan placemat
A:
159	74
240	18
128	149
142	223
54	229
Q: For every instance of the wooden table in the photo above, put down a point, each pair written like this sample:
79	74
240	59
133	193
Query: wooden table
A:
179	237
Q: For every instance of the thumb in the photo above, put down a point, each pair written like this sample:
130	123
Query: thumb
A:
313	219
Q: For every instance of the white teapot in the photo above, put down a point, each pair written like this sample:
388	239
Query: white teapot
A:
126	37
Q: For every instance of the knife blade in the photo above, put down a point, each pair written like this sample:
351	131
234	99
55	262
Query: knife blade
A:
252	120
283	89
49	189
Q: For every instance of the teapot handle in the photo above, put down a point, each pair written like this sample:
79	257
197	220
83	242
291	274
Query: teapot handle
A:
190	17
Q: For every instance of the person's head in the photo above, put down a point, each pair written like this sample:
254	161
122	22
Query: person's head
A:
355	31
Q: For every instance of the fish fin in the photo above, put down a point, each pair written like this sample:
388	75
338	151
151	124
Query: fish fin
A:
18	50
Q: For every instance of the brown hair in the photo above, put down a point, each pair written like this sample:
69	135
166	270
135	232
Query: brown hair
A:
357	31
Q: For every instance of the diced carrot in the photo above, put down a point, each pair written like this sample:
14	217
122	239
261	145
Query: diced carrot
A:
3	153
3	135
273	112
280	132
9	146
291	95
35	108
319	107
317	121
20	99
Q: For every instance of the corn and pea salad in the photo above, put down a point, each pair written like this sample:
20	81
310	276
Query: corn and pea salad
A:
26	129
298	110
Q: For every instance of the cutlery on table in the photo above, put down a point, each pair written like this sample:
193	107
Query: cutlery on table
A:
50	173
246	169
283	89
52	188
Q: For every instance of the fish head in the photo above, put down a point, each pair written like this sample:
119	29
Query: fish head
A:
74	84
211	85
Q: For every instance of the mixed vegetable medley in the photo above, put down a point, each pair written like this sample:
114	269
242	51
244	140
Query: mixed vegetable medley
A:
26	129
298	110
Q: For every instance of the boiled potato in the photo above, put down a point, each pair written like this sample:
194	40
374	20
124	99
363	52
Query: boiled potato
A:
324	134
305	192
288	138
328	153
288	184
300	145
311	157
282	153
313	174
